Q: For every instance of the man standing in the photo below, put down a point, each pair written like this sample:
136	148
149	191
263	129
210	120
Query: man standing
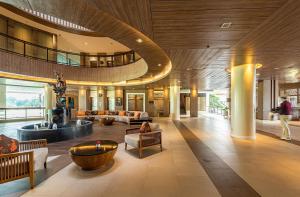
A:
285	115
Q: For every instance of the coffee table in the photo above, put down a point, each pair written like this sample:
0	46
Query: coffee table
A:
89	157
107	121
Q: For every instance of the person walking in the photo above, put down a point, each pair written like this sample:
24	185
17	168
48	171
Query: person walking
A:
285	112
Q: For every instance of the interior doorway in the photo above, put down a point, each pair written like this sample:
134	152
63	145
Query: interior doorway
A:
135	102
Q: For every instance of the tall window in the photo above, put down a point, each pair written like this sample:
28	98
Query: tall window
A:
17	96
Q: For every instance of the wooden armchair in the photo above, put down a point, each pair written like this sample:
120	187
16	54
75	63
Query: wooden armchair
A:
19	165
140	141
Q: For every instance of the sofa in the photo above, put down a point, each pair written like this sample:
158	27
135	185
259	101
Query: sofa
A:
128	117
29	157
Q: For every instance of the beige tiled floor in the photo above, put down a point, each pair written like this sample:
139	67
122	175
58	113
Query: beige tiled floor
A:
174	172
275	128
269	165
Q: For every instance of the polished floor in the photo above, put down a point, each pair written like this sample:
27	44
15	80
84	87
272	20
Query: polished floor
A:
199	159
10	128
270	166
224	178
173	172
274	127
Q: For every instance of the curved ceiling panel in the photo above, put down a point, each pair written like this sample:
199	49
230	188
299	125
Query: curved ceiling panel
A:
86	14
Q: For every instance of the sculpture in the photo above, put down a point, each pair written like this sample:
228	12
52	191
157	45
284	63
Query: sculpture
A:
59	88
59	113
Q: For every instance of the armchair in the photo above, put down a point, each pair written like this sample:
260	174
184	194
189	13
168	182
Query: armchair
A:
140	141
21	164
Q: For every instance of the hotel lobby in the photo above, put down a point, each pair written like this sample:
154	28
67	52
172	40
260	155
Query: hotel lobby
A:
149	98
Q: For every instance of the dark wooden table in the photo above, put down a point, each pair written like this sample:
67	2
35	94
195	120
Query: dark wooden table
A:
90	157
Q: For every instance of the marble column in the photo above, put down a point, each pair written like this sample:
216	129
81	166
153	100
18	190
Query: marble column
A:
175	102
118	96
111	94
243	101
166	102
100	99
82	100
151	106
194	102
50	101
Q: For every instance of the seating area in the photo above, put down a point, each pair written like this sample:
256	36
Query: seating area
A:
21	159
128	117
141	138
149	98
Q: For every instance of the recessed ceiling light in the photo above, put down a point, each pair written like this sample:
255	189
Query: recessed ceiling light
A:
159	65
139	40
188	69
226	25
276	68
258	66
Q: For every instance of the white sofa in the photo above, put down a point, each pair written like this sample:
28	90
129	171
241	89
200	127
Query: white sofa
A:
125	119
40	156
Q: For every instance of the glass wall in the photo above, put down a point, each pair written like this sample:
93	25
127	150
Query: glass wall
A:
21	101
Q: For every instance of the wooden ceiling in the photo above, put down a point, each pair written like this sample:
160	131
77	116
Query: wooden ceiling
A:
86	14
190	34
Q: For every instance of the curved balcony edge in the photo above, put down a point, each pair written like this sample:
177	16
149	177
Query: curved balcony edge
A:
20	65
28	49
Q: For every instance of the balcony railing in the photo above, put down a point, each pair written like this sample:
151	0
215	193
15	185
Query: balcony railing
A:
28	49
24	113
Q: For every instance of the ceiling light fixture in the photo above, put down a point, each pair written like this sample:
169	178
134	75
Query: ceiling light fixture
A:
159	65
258	66
226	25
139	40
188	69
276	68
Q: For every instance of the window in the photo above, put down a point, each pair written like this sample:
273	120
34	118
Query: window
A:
17	96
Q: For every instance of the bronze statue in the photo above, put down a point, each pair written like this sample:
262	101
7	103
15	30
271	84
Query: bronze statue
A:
59	112
59	88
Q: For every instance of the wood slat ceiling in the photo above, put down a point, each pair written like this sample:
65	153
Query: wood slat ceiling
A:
189	32
185	29
86	14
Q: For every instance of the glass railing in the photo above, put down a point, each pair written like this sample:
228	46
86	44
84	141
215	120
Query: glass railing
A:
27	49
24	113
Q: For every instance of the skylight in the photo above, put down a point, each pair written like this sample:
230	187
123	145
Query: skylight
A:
55	20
